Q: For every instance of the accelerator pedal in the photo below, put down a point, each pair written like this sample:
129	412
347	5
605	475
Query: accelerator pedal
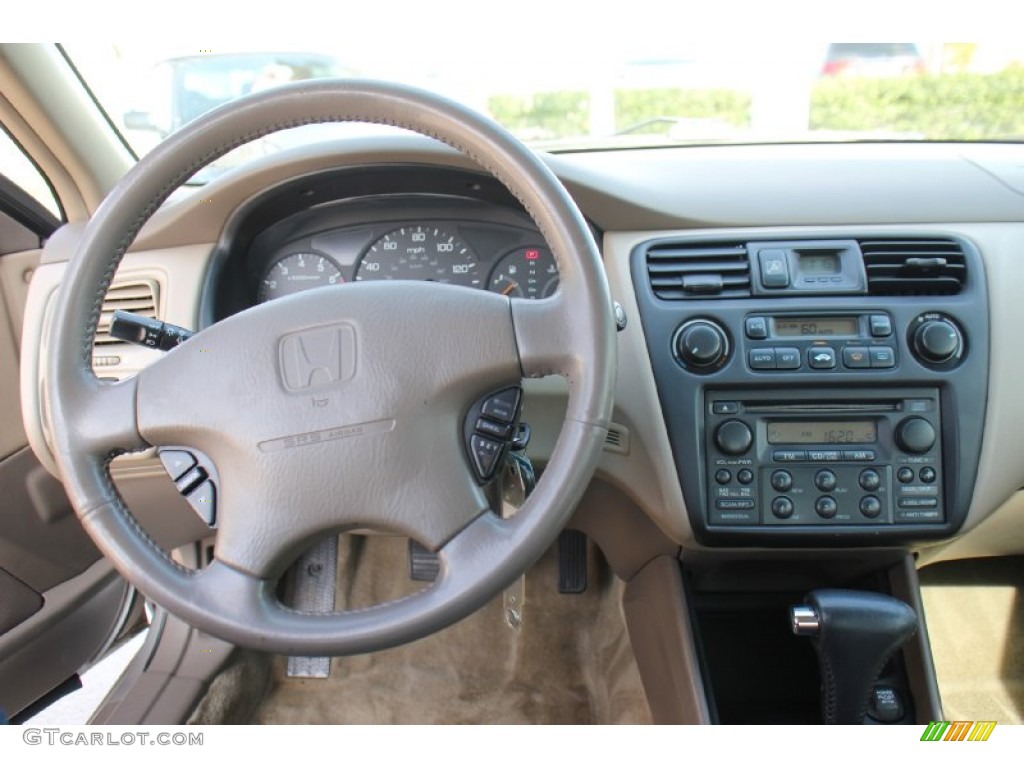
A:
572	562
312	591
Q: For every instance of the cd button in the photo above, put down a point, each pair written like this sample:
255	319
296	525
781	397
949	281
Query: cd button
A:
824	456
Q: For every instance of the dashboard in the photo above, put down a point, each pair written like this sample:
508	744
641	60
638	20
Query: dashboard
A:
775	387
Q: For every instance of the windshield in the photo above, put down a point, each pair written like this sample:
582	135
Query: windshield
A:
590	96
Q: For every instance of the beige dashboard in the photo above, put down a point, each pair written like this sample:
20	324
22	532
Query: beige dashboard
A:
763	192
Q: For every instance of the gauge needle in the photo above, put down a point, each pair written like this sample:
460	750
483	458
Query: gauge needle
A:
511	287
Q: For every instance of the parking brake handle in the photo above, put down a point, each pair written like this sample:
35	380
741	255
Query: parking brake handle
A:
854	633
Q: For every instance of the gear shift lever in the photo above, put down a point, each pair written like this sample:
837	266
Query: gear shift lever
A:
854	634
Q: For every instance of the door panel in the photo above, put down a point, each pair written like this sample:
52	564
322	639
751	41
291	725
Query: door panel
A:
60	603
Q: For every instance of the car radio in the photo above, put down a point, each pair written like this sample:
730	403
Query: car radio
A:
870	459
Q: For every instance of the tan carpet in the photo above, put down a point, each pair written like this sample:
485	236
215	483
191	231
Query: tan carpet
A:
570	663
975	615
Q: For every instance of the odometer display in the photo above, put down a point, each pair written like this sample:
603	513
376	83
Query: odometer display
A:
821	432
421	253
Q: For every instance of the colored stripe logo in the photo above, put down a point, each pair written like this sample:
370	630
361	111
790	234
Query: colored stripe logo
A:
958	730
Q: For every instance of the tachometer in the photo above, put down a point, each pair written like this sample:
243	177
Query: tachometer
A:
298	272
421	253
525	273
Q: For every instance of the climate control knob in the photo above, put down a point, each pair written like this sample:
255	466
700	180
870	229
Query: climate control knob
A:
915	435
733	437
937	341
701	344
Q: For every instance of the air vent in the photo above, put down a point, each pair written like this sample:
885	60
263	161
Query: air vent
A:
914	267
680	271
617	439
138	296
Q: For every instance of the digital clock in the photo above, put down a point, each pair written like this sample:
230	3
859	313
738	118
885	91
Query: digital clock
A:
821	432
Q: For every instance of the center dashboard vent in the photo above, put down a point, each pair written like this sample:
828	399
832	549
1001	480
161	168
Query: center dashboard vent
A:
914	267
681	271
138	296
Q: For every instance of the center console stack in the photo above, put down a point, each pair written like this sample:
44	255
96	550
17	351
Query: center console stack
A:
819	391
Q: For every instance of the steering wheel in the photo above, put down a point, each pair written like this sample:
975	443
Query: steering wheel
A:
377	442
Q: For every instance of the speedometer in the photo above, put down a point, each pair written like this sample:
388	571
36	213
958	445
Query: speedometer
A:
421	252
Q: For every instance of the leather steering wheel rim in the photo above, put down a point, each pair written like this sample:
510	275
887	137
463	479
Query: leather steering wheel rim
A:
90	422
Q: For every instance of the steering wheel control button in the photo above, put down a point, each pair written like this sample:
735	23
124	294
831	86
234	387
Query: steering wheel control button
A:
781	480
745	477
486	453
782	507
502	406
493	428
870	480
787	358
905	475
915	435
821	358
177	463
774	268
826	507
881	326
723	477
882	357
191	480
856	357
756	327
733	437
870	507
927	475
825	480
203	500
762	359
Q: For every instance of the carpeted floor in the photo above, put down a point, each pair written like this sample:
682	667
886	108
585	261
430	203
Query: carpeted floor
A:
975	615
570	663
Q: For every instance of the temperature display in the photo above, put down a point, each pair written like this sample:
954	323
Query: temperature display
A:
815	326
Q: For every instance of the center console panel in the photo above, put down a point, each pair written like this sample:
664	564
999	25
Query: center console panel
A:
819	391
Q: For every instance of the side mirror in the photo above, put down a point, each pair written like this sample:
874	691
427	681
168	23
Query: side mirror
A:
137	120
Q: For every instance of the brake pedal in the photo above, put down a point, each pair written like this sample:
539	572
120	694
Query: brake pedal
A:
312	591
424	565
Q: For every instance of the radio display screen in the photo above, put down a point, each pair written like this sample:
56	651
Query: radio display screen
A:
821	432
815	326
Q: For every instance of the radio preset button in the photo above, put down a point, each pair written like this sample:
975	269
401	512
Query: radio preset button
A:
825	480
870	506
733	437
762	359
781	480
821	357
782	507
905	475
745	476
870	480
723	477
826	507
756	327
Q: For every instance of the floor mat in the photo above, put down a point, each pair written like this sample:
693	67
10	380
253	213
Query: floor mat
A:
570	663
975	615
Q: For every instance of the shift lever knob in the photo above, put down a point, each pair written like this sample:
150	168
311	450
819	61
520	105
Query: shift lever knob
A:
854	634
